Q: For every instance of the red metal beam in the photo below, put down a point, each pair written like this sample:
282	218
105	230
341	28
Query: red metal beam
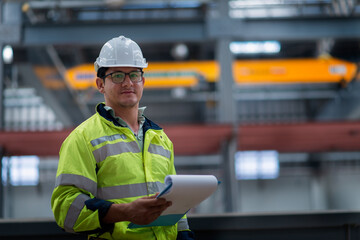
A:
198	139
304	137
32	143
208	139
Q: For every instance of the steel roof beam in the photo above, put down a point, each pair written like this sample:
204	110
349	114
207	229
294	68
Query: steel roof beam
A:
284	29
91	33
280	29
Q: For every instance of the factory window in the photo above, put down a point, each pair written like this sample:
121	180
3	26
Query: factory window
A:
255	47
256	165
20	170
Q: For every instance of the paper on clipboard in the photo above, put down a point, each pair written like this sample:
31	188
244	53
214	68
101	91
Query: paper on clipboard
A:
185	192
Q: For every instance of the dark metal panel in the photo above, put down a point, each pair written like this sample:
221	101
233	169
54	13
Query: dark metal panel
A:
288	226
34	229
288	220
87	34
294	226
330	233
285	29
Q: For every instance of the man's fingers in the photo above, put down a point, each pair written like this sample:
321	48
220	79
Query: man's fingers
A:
147	209
154	204
160	208
154	201
149	197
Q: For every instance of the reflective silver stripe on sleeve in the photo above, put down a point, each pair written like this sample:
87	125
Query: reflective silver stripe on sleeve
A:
183	225
125	191
102	153
77	181
74	212
107	138
157	149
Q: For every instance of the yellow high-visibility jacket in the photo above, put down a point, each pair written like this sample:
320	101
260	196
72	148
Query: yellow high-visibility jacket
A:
101	163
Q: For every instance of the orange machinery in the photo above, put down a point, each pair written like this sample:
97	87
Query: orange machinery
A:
246	72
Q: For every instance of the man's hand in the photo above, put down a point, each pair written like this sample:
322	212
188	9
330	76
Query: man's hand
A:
145	210
141	211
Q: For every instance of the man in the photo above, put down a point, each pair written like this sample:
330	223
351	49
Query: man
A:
113	165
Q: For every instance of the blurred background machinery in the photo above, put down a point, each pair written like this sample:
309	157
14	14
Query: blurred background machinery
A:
262	94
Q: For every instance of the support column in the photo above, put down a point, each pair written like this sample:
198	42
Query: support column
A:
226	106
10	27
2	124
1	184
2	86
231	196
1	116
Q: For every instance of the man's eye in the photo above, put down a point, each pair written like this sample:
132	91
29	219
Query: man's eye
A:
134	75
118	75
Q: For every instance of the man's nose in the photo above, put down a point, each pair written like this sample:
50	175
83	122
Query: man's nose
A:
127	81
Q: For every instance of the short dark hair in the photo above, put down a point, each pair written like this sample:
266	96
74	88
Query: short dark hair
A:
101	72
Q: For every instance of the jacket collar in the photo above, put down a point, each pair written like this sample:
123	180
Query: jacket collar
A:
148	124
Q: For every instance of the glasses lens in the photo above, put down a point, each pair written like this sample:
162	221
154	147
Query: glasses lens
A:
135	76
118	77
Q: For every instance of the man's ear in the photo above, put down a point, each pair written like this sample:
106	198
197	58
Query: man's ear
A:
100	83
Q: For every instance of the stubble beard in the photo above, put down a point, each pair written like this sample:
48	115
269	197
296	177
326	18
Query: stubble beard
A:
128	103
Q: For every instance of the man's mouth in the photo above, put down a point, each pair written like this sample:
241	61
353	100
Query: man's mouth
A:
127	91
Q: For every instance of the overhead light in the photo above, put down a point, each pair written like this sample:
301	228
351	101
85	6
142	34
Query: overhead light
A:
7	54
255	47
180	51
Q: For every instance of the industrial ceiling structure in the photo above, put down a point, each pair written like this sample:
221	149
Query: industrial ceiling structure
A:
64	34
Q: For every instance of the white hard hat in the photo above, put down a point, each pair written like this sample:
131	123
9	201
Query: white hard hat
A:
120	52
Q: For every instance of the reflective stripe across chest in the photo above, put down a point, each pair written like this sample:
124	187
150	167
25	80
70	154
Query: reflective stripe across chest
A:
112	149
108	150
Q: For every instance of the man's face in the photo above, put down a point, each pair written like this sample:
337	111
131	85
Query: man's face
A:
121	95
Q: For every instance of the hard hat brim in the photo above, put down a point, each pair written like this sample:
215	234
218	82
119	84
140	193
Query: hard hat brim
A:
97	66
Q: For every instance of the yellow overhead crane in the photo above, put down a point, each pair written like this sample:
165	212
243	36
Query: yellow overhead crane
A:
245	72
